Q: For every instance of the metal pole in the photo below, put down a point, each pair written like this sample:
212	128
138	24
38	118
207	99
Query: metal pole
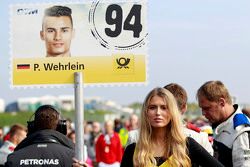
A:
79	116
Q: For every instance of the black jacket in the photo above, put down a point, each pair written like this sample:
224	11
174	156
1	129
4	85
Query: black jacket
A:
43	148
197	154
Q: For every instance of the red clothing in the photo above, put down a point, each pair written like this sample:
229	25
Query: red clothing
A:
193	127
108	152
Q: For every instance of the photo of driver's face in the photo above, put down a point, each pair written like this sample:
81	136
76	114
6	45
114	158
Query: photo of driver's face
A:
57	32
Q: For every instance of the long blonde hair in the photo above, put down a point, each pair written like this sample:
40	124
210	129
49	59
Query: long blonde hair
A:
175	138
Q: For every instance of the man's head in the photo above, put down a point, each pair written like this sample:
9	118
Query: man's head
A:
46	117
109	127
57	31
215	101
17	133
134	121
180	96
96	127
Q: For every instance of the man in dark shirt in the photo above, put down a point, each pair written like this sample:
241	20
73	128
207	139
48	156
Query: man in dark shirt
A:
46	143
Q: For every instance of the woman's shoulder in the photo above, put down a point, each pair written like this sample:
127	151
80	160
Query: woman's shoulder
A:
131	147
199	155
193	147
127	158
191	142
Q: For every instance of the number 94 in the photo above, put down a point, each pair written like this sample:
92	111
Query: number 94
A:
136	27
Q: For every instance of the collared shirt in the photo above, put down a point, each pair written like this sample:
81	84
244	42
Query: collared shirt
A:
7	148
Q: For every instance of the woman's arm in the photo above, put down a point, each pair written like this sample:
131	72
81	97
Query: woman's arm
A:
200	156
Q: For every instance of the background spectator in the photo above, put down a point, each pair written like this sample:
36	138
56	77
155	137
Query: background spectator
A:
1	136
16	134
108	147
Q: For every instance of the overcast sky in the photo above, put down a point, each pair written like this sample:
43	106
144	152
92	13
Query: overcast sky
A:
190	42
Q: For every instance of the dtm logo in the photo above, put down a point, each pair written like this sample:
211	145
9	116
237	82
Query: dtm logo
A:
27	11
123	62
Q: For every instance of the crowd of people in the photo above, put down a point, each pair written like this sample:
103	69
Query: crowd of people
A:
158	137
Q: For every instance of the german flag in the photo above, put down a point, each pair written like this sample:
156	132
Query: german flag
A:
23	66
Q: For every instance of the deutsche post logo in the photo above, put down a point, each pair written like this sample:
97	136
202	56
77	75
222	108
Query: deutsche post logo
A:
123	63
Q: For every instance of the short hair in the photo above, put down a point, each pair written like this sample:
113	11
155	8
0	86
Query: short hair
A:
179	93
213	91
117	122
58	11
15	129
109	123
46	117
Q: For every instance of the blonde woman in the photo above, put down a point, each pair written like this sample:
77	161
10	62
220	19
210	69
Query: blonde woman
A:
161	139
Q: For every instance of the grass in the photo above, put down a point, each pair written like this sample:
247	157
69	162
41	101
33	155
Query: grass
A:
8	119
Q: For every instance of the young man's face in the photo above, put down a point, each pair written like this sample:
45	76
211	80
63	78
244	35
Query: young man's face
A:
57	33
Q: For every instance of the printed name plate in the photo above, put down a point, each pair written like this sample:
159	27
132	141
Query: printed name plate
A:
105	40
